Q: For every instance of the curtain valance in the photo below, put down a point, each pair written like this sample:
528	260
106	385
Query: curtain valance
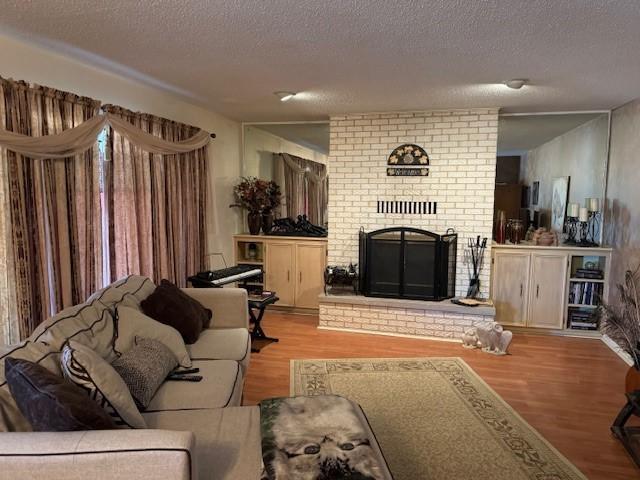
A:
79	139
310	174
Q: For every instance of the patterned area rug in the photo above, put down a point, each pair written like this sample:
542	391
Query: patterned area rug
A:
436	419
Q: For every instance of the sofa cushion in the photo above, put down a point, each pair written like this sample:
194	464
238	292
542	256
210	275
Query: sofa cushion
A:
144	368
90	324
169	305
129	291
227	440
11	419
101	382
132	323
223	344
50	403
221	386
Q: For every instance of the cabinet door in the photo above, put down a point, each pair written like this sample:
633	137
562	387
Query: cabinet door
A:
547	290
280	271
509	285
310	264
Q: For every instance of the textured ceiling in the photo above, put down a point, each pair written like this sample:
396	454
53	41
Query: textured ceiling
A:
311	135
517	134
352	56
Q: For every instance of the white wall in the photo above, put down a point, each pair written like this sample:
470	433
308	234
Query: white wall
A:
259	147
580	154
22	61
461	145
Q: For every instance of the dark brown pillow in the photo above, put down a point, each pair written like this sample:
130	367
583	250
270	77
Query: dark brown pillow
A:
171	306
49	402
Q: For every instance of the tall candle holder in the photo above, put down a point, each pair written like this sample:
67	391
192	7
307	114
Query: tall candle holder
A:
594	228
572	231
584	235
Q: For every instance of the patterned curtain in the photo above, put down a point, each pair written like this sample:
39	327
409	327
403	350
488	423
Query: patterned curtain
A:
50	228
157	203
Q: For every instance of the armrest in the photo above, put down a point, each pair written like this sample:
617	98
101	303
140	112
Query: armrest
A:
229	305
100	454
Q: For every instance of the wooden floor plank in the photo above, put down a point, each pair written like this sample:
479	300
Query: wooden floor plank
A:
569	389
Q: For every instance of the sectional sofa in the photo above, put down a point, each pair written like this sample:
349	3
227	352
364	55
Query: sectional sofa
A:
195	430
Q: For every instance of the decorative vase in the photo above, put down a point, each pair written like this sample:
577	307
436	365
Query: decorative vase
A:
254	219
267	222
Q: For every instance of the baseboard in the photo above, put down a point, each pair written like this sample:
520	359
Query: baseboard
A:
617	350
390	334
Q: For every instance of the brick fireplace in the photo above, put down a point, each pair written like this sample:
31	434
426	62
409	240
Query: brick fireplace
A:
461	145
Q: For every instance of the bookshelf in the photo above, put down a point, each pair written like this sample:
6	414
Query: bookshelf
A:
587	289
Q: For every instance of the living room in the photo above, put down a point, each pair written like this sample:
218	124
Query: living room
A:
375	186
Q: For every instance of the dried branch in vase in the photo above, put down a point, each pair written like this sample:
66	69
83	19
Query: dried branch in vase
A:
622	323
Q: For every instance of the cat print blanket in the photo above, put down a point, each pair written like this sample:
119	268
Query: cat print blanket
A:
316	438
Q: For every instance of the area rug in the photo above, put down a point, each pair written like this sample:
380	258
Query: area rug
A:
436	419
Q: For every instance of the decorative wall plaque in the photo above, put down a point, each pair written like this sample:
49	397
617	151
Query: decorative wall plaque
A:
409	154
407	172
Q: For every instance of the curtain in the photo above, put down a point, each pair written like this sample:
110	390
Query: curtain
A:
51	228
306	187
157	203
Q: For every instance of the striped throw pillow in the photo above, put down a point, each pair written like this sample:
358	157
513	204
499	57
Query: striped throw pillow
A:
85	368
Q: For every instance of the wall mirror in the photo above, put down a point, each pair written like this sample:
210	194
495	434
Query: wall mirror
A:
550	167
294	155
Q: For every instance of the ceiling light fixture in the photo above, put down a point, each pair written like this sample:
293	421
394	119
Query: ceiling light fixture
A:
516	83
284	96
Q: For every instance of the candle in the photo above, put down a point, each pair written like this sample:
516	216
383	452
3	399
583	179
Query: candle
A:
584	214
574	210
594	204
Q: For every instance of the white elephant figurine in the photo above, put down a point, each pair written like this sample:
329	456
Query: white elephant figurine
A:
470	338
492	338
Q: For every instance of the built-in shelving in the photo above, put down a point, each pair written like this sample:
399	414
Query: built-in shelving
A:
587	289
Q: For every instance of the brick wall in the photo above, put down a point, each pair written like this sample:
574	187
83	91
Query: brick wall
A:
461	145
403	321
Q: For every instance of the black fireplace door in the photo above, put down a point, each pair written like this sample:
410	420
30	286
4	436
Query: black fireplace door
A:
401	263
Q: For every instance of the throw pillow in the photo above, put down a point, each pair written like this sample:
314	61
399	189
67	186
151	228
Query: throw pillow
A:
101	382
49	402
132	323
144	368
171	306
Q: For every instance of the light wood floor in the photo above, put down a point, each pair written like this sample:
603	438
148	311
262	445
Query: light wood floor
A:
569	389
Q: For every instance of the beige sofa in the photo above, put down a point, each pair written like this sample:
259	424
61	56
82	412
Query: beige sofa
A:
195	430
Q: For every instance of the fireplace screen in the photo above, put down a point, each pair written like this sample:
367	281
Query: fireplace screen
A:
408	263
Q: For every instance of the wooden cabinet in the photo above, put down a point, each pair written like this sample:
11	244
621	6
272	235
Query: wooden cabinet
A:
280	271
528	288
547	290
310	265
293	266
542	287
510	287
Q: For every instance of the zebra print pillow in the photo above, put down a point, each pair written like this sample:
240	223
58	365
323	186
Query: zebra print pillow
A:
85	368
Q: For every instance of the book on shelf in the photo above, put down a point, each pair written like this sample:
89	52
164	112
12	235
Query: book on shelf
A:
583	326
585	293
589	273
